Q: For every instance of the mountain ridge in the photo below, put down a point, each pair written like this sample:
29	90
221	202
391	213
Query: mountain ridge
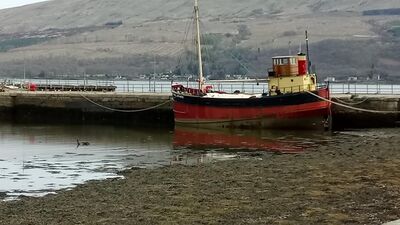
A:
76	31
81	13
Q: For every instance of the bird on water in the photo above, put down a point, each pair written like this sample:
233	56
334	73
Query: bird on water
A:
83	143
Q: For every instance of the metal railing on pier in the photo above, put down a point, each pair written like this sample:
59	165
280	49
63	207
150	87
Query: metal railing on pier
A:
141	86
360	88
164	86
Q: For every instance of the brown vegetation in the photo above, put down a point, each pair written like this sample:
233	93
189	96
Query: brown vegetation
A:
124	37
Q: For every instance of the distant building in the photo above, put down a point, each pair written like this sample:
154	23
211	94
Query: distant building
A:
330	79
352	79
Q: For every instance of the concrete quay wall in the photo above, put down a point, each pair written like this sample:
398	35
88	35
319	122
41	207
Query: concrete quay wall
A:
90	107
349	118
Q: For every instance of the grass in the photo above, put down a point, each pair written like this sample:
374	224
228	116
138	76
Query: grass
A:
395	28
6	45
396	31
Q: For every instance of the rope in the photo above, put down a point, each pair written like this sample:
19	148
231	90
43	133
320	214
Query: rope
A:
350	103
124	111
351	107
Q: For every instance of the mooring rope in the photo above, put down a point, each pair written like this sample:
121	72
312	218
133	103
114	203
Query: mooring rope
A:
124	111
351	103
351	107
315	95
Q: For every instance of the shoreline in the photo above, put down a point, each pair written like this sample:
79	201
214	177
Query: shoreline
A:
349	181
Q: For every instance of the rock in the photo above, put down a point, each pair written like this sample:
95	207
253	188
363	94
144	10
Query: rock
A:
397	222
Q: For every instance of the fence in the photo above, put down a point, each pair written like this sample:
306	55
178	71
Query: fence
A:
150	86
357	88
164	86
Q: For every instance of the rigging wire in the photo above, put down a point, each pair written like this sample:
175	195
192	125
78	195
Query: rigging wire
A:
249	68
240	63
185	38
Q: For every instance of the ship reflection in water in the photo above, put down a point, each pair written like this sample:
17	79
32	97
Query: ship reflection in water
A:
220	144
39	159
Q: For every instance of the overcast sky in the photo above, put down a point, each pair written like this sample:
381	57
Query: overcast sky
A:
14	3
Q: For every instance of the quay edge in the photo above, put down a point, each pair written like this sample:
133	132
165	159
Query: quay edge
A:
86	108
348	118
74	107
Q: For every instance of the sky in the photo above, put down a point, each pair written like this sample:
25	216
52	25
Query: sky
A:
13	3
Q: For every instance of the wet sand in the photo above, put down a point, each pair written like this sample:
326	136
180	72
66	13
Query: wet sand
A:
346	180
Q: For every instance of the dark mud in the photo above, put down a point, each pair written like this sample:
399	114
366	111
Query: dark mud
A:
351	179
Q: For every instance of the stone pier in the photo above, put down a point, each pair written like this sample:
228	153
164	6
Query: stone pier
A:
137	109
349	118
87	107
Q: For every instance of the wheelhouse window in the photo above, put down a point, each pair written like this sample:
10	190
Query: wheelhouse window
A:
281	61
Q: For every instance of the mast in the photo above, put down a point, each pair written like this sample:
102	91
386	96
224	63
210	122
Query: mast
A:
308	54
198	40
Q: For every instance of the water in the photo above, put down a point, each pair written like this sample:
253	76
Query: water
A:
36	160
40	159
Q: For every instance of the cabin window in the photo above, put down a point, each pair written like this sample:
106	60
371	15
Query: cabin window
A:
284	61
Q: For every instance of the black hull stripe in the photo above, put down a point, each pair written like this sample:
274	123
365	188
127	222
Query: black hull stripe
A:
279	100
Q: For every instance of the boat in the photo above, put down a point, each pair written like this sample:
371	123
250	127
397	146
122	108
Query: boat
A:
11	87
293	99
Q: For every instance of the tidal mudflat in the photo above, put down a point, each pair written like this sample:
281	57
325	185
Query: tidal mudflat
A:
346	177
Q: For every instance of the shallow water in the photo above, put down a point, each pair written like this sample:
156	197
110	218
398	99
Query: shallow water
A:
35	160
39	159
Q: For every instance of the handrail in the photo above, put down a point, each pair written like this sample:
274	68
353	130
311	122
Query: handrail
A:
359	88
164	86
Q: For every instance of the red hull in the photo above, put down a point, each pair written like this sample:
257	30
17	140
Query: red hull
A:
308	114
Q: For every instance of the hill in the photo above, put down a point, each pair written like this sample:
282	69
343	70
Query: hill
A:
133	37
